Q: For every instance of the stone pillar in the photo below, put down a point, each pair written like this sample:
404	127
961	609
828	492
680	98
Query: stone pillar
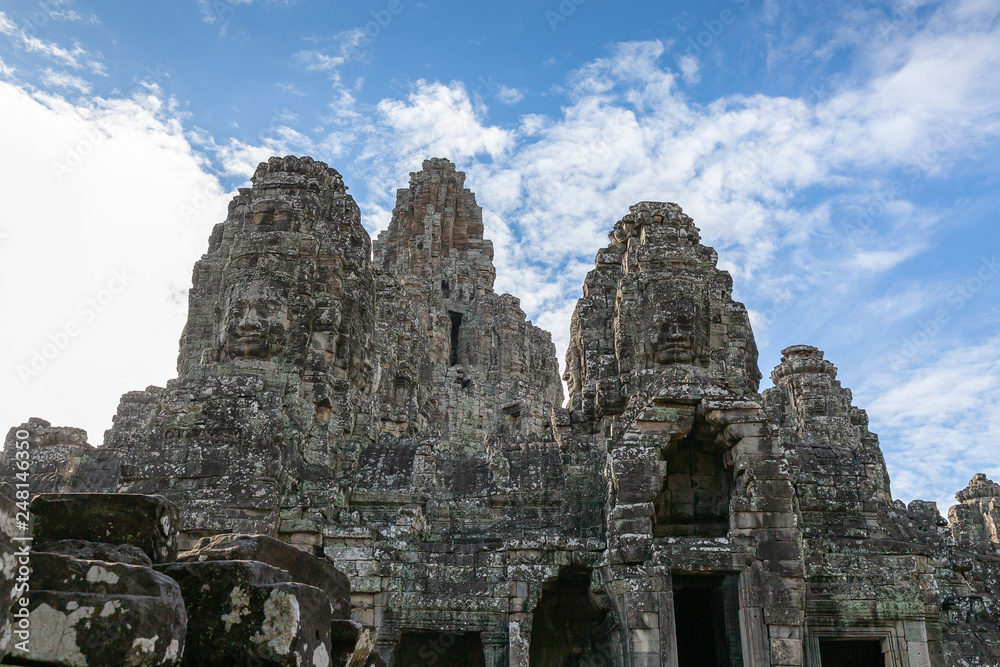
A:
663	586
386	641
638	597
519	640
915	636
495	649
753	631
810	648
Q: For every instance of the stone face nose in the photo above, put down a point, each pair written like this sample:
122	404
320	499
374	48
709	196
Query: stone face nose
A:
251	320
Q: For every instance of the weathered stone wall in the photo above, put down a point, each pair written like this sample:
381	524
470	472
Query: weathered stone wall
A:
854	548
382	407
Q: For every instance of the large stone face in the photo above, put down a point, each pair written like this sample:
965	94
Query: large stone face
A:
381	409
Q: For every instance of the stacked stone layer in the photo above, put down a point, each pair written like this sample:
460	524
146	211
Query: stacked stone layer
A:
383	411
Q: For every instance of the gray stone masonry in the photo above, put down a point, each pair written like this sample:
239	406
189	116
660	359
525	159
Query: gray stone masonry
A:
379	410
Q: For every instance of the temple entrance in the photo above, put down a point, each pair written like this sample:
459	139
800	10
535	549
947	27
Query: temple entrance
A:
567	629
694	500
424	648
706	616
851	653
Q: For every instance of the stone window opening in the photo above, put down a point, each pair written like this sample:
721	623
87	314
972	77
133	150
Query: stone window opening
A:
706	620
851	653
456	328
694	499
512	418
445	290
439	648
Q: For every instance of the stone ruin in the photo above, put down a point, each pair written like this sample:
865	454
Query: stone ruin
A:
366	458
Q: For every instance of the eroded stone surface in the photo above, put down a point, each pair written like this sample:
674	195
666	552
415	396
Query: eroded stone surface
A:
80	549
246	611
146	522
302	567
87	612
380	406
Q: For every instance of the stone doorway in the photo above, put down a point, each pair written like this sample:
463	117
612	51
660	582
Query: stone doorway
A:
567	629
851	653
706	618
426	648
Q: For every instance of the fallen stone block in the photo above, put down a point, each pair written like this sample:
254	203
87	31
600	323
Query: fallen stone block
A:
146	522
83	550
88	612
246	612
303	567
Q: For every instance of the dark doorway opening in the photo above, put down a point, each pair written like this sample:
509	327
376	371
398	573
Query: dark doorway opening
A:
456	325
425	648
851	653
706	616
567	629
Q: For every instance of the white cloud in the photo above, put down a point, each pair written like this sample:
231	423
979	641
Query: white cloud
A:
508	95
77	57
940	420
350	46
213	11
65	80
437	119
690	69
106	187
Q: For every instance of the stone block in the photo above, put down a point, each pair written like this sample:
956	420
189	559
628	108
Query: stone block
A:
786	651
303	567
246	611
146	522
87	612
113	553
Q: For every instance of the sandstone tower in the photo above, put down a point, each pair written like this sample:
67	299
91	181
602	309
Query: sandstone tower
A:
380	407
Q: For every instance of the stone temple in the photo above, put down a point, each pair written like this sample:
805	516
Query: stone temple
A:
370	424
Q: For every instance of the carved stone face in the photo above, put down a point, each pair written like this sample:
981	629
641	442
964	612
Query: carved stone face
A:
680	336
256	321
573	377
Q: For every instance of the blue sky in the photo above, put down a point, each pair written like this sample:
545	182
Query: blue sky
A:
842	157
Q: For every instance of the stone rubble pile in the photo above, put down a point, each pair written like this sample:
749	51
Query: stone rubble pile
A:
108	587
